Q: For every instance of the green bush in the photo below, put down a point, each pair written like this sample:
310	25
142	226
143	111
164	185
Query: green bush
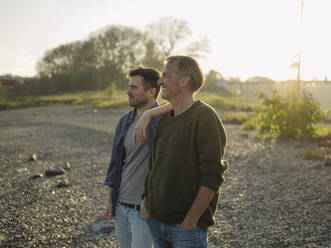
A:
291	116
111	90
250	124
3	93
314	153
235	117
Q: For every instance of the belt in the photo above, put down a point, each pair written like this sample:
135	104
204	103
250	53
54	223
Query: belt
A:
129	205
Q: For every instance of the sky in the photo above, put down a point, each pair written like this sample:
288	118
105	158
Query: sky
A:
248	37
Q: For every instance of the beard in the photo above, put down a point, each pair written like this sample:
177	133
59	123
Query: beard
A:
133	102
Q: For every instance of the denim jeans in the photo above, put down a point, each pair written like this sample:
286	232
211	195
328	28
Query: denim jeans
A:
175	236
131	228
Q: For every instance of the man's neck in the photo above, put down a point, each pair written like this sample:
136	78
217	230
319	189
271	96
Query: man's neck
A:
182	103
142	109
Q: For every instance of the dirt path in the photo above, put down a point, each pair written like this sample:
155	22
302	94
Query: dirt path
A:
271	198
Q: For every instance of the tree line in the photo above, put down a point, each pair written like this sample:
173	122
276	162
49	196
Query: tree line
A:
103	59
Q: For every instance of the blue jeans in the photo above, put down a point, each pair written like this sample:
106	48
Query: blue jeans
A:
175	236
131	228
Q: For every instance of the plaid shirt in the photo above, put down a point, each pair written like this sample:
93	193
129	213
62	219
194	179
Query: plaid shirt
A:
113	176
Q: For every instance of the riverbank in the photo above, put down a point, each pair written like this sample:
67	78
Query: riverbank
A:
272	197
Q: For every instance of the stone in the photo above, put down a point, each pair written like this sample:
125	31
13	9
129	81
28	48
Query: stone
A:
63	183
33	157
102	225
67	166
328	162
22	170
36	176
55	172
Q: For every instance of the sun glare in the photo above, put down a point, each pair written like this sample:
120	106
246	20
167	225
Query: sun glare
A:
248	38
267	42
315	39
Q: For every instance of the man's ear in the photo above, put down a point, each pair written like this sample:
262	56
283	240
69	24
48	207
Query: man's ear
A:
152	92
184	81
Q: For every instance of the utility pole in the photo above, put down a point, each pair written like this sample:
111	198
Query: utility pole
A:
299	55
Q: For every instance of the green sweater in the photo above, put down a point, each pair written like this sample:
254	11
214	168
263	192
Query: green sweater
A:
187	153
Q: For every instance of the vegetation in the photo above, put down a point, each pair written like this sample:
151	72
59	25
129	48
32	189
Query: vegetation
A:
314	153
118	98
250	124
107	55
235	117
228	103
290	116
3	93
210	84
111	90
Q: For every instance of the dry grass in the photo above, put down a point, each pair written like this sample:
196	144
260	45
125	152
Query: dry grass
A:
101	99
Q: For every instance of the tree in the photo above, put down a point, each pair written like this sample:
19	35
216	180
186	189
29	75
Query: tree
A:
92	64
258	79
167	33
57	66
118	49
60	60
234	80
211	78
152	57
198	49
106	56
167	37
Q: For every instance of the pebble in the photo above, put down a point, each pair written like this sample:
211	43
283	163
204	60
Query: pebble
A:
63	183
36	176
103	225
54	172
328	162
20	170
33	157
67	166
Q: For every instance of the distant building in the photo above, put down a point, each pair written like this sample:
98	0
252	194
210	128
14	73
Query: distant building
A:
8	82
221	83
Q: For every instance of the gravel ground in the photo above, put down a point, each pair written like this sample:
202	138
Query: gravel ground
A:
271	197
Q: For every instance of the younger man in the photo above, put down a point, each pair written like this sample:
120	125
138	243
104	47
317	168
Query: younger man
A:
129	162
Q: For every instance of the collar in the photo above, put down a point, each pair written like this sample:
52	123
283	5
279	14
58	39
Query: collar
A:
132	113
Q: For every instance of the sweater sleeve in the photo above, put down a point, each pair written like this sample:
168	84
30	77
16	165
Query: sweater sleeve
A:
211	141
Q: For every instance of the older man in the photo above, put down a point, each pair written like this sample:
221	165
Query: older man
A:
186	166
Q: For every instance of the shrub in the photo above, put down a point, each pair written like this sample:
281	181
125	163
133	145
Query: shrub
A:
290	116
111	90
250	124
314	153
235	117
3	93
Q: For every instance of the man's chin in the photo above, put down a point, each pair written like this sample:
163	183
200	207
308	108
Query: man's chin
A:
132	104
164	96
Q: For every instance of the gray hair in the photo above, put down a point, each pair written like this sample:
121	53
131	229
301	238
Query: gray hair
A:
188	66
